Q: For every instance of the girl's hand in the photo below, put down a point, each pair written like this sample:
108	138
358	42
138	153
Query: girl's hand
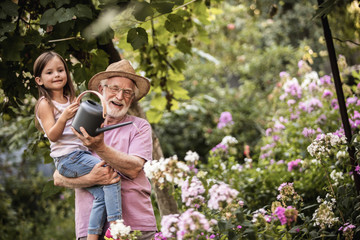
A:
70	111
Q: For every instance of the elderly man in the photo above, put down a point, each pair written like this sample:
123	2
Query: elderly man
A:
124	149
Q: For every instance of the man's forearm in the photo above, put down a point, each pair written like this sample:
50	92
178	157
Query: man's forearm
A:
80	182
126	164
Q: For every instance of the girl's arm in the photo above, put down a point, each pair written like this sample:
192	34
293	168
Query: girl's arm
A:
54	129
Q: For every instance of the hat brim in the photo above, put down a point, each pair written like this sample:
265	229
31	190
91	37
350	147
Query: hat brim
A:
142	83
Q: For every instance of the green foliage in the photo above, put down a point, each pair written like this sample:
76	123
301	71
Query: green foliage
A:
25	213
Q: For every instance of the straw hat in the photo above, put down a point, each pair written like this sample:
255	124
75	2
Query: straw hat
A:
121	68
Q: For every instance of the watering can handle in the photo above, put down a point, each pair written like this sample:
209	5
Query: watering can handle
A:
99	96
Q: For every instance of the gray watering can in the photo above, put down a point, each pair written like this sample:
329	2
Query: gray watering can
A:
91	115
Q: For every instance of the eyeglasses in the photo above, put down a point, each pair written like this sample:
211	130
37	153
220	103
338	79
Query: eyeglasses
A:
115	90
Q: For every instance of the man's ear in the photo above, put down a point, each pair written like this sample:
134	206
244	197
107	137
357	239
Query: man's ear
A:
100	89
38	81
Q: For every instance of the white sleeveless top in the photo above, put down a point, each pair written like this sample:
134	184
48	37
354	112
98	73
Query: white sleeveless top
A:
68	142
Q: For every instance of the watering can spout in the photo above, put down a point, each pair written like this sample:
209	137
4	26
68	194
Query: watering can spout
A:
110	127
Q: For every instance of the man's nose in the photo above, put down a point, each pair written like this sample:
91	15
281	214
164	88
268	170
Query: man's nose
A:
120	94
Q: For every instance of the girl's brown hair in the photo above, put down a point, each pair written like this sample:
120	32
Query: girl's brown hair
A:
39	66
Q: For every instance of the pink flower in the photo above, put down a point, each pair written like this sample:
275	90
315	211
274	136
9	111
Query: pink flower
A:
325	80
327	93
225	119
283	74
294	165
231	26
280	213
357	169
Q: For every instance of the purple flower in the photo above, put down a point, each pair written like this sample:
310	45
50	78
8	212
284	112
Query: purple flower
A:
279	126
225	119
191	192
276	138
310	105
357	169
313	87
301	63
280	213
221	193
351	100
334	104
325	80
356	115
159	236
327	93
294	165
291	102
293	88
219	146
321	119
308	132
294	116
268	131
284	74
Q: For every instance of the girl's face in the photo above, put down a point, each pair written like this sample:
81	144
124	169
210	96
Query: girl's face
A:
53	76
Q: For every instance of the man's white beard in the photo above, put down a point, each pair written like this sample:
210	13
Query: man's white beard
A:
113	112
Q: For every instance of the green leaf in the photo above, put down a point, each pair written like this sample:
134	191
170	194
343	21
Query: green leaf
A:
174	23
8	8
201	12
158	102
6	27
44	3
50	189
48	159
142	11
153	115
64	14
83	10
60	3
184	45
48	17
14	45
137	37
106	36
179	2
163	6
179	64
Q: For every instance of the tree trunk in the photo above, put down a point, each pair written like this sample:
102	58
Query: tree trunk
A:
166	202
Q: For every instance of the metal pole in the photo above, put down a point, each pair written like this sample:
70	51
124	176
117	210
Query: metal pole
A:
340	94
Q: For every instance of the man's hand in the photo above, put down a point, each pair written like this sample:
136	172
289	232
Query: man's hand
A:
103	175
94	143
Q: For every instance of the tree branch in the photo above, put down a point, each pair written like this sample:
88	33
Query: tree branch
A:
343	41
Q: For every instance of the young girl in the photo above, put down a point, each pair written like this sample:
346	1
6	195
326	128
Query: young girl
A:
54	111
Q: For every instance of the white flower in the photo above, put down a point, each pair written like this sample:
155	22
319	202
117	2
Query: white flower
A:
118	229
228	140
191	157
